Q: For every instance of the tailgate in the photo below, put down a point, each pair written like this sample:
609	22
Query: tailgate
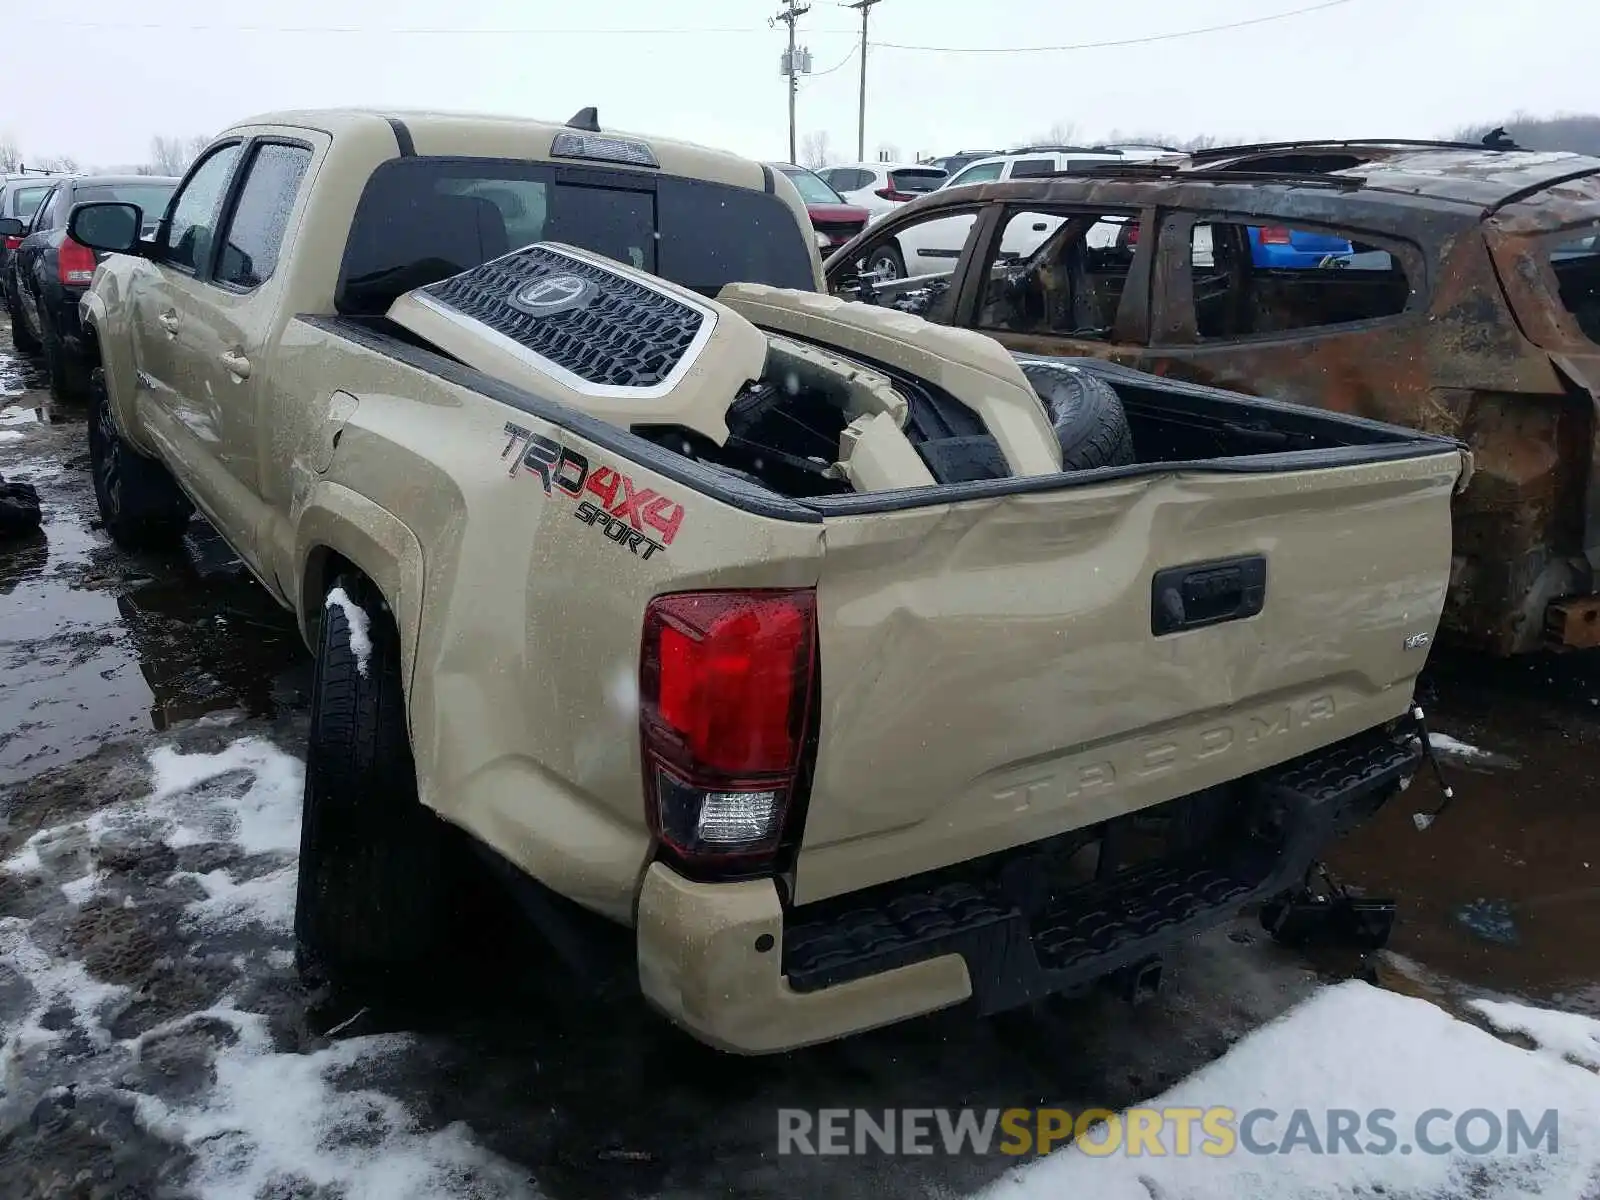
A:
990	675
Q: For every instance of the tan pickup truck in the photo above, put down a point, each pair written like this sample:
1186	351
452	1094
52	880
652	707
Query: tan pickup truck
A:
842	665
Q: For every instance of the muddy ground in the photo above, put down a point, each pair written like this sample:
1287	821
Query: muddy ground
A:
151	716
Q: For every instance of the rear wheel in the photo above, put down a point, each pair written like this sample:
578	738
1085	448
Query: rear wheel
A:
373	898
68	373
885	264
141	505
21	337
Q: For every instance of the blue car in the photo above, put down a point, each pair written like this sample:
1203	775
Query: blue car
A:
1293	249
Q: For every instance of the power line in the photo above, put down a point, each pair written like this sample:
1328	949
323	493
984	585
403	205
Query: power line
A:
410	31
1135	41
838	66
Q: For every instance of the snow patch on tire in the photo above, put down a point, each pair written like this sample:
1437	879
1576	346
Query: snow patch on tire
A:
357	622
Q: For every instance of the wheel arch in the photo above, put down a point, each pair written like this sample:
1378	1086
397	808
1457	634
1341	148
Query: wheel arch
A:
341	530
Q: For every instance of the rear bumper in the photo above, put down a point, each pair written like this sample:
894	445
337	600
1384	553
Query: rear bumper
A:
728	963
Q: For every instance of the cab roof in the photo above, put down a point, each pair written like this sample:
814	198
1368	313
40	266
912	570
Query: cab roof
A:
431	128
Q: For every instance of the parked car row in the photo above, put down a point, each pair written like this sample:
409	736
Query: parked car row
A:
541	403
45	272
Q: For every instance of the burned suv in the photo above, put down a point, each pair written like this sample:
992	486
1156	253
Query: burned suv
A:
1451	287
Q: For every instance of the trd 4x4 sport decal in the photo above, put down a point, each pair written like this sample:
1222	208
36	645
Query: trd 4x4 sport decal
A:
607	499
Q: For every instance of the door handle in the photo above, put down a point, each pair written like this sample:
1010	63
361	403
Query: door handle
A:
236	363
1208	593
169	321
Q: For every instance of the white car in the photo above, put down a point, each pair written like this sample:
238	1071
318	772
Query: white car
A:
932	247
882	187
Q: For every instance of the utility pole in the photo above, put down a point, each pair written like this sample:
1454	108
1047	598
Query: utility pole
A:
792	62
861	113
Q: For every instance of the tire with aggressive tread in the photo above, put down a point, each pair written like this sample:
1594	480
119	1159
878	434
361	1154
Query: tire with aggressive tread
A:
1086	413
372	898
141	505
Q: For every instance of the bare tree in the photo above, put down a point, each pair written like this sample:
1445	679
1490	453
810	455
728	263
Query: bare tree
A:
58	164
168	155
1060	133
1577	132
10	156
816	149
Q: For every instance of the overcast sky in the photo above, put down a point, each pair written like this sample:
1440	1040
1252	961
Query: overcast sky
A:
96	78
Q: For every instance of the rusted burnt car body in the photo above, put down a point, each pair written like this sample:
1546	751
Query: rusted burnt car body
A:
1454	289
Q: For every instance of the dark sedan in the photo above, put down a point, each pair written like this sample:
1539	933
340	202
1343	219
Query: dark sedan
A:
20	197
53	271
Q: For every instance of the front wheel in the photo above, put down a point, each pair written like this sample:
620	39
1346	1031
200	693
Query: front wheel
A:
141	505
373	900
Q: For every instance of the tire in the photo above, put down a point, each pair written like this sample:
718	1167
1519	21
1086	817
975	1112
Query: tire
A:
1087	416
886	264
371	909
141	505
68	375
21	338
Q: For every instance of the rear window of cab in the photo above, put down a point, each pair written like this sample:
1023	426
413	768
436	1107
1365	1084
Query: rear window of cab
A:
422	219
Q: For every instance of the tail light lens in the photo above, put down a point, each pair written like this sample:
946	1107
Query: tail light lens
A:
726	682
75	262
13	243
889	193
1274	235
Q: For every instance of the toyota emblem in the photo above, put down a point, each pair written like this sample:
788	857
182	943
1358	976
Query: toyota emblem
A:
551	294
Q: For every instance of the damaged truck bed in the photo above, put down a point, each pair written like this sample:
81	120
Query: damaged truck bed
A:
843	665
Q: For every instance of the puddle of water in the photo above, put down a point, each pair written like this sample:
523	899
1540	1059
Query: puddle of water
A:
1503	890
96	644
19	374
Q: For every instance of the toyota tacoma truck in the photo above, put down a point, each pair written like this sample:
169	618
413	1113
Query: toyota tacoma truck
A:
841	665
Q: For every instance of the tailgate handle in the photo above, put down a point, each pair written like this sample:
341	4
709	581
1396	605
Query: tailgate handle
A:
1207	593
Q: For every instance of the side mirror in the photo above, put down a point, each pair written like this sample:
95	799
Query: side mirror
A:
11	227
106	226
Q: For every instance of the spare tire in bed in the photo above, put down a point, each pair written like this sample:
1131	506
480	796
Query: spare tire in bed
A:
1086	414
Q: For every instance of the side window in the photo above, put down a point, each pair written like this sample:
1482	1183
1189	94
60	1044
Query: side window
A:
910	267
255	231
45	217
1024	167
980	173
193	227
28	201
1059	273
1256	280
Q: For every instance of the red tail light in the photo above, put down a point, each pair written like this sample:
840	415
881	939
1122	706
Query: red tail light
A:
75	262
725	690
1274	235
13	243
889	193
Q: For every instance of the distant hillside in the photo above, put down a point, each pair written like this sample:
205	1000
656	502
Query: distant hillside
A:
1580	134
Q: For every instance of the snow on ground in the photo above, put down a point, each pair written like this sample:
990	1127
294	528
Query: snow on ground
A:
150	1012
1569	1036
356	620
1451	747
10	435
1359	1048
